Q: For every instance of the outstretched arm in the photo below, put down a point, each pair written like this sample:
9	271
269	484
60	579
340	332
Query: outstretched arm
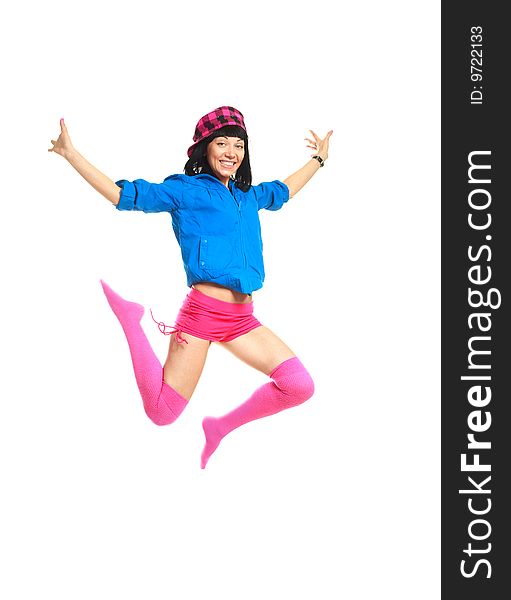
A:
296	181
100	182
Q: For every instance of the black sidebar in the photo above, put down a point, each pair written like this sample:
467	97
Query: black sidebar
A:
476	260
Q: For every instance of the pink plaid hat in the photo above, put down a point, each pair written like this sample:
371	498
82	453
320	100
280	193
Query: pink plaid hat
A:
216	119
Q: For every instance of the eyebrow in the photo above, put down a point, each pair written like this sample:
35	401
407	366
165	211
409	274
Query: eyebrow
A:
226	137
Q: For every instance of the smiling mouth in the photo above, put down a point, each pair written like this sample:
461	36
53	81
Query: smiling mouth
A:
227	163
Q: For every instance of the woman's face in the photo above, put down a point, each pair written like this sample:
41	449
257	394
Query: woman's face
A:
225	155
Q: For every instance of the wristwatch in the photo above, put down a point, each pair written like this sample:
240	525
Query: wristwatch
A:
320	160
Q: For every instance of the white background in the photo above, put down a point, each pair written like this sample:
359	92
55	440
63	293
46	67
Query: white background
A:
338	498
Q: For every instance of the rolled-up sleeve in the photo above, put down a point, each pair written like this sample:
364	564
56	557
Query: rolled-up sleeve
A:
271	195
149	197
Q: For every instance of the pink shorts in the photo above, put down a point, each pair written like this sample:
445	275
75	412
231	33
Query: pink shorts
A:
211	319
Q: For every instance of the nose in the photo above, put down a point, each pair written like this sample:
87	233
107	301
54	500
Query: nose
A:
229	152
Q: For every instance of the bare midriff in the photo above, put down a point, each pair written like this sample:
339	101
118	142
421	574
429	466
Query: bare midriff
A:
222	293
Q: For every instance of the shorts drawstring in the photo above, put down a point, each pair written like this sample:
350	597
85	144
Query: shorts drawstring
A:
163	328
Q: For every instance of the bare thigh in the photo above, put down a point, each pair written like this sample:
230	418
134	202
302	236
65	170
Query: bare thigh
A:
260	348
185	363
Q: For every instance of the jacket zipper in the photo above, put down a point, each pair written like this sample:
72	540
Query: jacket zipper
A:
241	238
238	205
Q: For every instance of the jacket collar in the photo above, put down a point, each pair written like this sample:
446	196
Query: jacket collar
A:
204	179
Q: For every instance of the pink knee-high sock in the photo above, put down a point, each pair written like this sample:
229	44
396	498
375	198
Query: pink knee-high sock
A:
162	404
291	386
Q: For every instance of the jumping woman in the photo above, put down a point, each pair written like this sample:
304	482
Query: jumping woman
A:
214	209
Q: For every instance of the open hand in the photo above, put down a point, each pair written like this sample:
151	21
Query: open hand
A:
320	146
63	144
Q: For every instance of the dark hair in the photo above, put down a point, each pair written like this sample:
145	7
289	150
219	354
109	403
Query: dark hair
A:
198	162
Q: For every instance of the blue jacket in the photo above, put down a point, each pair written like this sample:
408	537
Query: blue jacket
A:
217	229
